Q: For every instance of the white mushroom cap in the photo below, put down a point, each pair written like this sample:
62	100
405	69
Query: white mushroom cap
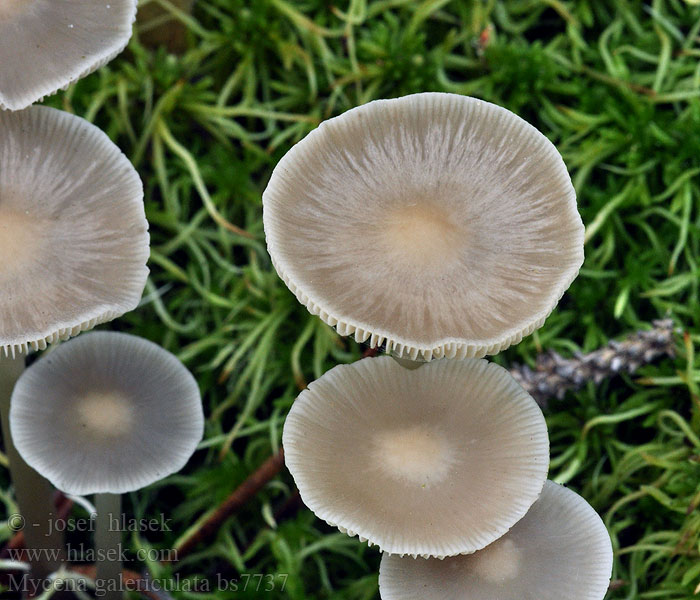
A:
73	232
434	462
45	45
560	550
438	224
106	412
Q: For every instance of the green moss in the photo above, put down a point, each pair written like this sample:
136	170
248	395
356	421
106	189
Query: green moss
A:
616	85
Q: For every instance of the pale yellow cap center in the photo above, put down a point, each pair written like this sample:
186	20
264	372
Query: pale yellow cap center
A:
422	236
418	454
106	414
497	563
20	238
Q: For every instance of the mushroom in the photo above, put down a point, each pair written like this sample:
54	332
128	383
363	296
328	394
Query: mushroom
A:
437	224
106	413
45	45
73	231
433	462
74	245
560	549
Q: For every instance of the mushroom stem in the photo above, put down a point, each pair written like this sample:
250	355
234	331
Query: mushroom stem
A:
407	363
33	492
108	542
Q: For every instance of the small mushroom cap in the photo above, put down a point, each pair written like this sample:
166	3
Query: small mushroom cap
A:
73	232
45	45
434	462
559	550
106	412
438	224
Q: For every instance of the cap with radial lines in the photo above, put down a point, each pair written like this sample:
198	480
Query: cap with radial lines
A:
560	549
45	45
106	412
434	462
73	232
438	224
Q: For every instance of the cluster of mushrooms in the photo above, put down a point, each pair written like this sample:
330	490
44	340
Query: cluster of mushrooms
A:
107	413
439	227
436	226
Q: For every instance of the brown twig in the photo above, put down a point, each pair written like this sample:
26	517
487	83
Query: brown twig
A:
240	496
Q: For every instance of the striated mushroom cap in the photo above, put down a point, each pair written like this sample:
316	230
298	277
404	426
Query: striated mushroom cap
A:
433	462
45	45
73	232
106	412
438	224
559	550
